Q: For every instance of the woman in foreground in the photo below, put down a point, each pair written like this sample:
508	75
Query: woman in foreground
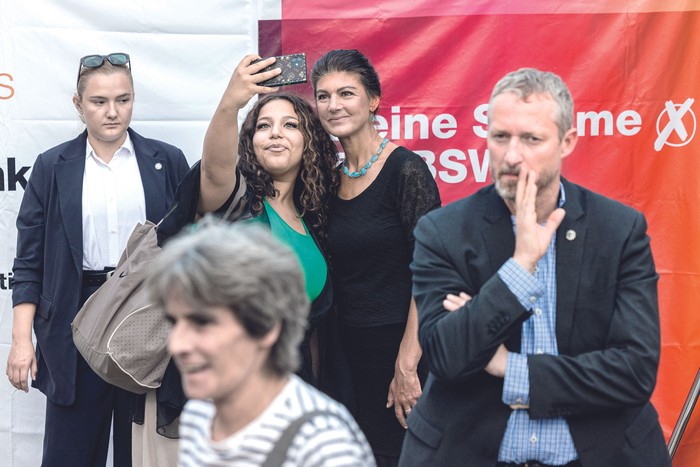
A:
238	304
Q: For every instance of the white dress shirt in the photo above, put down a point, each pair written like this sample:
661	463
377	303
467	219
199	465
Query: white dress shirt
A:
113	203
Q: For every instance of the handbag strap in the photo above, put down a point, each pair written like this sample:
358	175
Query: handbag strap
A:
236	210
279	451
170	211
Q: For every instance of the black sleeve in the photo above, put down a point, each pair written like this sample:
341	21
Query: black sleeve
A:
417	194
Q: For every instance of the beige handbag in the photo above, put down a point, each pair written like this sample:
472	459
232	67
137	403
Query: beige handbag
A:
119	331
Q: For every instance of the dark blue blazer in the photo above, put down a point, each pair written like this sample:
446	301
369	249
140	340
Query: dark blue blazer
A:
48	269
607	331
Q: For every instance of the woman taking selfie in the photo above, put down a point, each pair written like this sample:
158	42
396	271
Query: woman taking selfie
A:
383	191
279	170
83	199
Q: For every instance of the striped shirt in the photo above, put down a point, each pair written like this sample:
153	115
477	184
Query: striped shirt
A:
322	441
546	440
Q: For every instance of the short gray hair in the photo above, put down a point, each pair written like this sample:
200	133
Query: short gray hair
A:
528	81
242	267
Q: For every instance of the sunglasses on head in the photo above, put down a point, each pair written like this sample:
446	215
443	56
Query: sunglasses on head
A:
96	61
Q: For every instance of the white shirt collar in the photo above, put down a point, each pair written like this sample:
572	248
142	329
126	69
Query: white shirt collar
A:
127	148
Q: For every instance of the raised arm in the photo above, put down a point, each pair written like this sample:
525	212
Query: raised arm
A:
220	151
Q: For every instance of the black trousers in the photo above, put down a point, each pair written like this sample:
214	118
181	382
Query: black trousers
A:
78	435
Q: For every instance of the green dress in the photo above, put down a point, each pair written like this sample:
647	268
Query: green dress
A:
312	262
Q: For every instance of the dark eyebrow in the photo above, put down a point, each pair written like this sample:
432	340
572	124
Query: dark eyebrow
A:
126	94
284	117
198	314
343	88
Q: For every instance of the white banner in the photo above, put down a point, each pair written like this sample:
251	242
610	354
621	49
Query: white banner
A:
182	55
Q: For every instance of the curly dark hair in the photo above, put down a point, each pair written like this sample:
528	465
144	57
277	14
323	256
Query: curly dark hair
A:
318	177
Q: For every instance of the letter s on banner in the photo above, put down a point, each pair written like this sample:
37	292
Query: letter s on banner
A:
6	91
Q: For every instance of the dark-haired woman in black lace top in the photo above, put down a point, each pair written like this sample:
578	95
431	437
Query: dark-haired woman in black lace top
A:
383	191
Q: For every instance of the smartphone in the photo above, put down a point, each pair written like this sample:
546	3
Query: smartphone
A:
293	70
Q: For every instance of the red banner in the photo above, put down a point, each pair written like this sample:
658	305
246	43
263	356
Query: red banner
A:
634	73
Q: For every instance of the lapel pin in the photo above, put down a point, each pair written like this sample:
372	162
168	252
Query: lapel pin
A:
159	166
571	235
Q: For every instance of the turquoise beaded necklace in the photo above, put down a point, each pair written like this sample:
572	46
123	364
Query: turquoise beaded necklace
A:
363	170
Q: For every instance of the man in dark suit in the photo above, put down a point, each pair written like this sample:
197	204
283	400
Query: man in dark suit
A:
537	308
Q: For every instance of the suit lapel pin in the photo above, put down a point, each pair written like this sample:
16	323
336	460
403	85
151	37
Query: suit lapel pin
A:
571	235
159	166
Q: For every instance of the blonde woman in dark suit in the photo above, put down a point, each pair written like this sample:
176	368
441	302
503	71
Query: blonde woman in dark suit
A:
82	201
